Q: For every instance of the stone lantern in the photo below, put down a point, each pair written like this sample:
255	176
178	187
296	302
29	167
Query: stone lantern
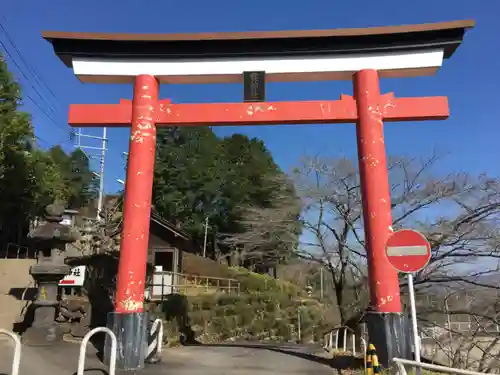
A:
50	240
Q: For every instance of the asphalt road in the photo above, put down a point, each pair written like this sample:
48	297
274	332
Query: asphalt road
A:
234	359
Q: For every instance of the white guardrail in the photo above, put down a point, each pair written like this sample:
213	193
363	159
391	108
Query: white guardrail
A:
400	363
16	358
83	350
157	328
331	339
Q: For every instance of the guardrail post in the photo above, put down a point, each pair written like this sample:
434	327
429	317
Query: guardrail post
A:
155	345
16	359
400	362
83	350
345	339
328	337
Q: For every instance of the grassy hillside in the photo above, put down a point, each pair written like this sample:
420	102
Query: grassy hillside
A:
264	309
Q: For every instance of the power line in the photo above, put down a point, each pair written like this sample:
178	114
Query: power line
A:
27	79
31	69
29	96
78	137
23	73
40	139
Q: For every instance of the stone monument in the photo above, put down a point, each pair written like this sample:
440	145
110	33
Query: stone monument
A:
50	240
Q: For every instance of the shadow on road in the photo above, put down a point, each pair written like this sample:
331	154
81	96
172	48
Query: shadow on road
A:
97	371
337	362
92	371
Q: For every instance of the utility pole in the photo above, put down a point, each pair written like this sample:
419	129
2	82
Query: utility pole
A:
299	325
101	173
205	241
321	282
102	155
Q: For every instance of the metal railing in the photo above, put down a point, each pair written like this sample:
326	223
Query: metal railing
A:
16	358
400	363
15	251
331	340
173	282
83	350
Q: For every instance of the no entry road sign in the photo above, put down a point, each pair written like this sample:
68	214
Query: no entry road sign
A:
408	250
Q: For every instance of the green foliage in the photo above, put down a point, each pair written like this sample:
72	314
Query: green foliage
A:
199	175
30	178
265	309
186	176
17	178
252	283
77	178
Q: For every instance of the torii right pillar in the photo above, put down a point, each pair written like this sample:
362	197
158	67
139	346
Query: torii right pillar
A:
385	321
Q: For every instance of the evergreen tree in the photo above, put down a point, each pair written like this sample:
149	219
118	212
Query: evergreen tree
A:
31	178
17	181
80	184
198	175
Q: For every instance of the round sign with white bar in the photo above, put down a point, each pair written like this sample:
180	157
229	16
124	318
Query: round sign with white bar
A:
408	250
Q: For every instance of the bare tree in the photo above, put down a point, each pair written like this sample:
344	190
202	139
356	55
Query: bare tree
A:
460	326
331	214
456	212
103	236
269	233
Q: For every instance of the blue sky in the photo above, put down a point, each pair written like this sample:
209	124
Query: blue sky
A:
470	79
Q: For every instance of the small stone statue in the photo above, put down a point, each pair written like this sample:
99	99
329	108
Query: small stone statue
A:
50	240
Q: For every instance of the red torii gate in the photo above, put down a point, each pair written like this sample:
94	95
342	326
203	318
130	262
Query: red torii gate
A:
413	50
368	110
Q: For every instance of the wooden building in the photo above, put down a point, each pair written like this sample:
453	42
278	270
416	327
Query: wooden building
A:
167	243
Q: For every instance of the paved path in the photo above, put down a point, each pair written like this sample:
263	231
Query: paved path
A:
234	359
243	360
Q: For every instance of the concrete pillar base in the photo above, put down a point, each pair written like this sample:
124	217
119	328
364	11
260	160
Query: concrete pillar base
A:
390	333
131	333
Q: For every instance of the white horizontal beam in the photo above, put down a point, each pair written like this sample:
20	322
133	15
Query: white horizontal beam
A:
394	251
311	68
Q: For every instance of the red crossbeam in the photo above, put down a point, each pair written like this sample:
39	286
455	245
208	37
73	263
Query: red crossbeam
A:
224	114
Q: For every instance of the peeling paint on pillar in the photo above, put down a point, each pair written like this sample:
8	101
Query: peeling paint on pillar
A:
371	107
138	191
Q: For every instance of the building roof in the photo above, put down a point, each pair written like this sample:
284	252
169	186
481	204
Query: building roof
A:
204	54
169	226
155	217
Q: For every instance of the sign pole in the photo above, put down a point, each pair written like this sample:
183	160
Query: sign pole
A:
413	309
408	251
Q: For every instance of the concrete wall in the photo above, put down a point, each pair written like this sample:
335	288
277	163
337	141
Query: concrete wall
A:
16	289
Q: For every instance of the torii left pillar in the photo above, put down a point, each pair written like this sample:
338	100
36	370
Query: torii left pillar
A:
368	109
129	320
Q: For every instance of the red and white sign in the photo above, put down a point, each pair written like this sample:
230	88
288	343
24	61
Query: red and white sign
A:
408	250
76	277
